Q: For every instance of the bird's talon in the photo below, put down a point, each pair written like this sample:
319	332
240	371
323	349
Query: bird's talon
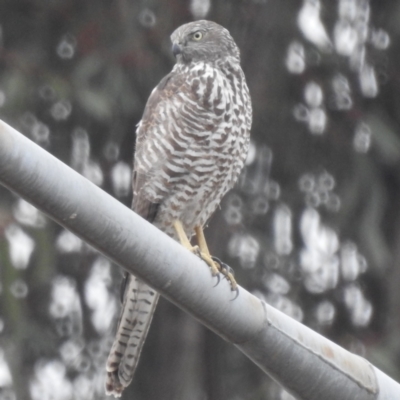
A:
230	270
237	293
228	274
210	262
214	269
216	259
217	263
218	279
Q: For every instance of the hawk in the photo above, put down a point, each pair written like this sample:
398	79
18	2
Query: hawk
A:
191	145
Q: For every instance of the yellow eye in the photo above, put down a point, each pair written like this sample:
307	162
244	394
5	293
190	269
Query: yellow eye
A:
197	36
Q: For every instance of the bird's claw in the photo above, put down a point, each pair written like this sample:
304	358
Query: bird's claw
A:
237	293
218	267
228	273
218	280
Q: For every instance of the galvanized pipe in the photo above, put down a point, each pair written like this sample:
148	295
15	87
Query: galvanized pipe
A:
304	362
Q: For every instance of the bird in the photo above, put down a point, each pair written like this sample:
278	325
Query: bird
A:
191	145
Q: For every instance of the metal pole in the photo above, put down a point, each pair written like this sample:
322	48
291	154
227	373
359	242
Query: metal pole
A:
305	363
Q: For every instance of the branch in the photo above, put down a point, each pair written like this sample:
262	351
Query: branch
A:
305	363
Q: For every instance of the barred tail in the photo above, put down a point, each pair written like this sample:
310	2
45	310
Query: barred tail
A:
138	307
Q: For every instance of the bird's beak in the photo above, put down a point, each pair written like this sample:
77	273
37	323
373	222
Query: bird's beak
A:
176	49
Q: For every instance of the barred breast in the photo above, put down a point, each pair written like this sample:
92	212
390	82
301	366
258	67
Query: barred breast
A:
196	148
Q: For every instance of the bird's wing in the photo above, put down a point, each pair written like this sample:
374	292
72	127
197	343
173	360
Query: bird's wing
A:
147	135
139	299
181	117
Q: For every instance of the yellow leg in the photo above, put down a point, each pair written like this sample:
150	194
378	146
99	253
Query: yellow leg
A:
206	256
205	253
182	235
202	251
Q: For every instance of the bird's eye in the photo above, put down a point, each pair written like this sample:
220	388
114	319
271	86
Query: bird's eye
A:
197	36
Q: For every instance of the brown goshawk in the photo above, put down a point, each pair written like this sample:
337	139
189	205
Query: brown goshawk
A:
191	145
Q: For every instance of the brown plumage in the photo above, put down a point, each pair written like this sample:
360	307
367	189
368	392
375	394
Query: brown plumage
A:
190	147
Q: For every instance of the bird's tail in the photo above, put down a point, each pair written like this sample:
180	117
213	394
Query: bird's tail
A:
138	307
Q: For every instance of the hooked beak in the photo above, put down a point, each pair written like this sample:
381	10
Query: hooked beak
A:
176	49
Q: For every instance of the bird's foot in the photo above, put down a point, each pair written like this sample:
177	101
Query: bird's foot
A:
228	273
217	267
214	267
200	251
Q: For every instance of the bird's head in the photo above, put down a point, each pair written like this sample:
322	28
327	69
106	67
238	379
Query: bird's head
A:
202	41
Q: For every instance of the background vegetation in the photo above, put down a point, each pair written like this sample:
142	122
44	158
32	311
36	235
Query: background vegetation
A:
313	226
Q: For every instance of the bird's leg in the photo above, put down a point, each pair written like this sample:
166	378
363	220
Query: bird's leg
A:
183	239
204	255
215	266
204	252
185	242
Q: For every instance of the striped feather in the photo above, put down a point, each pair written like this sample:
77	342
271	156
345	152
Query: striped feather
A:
138	308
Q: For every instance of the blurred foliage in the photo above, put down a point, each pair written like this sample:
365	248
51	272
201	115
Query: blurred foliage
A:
312	227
